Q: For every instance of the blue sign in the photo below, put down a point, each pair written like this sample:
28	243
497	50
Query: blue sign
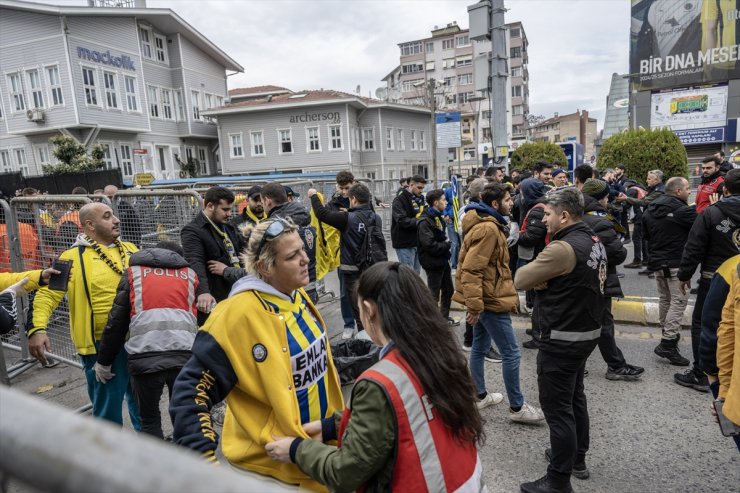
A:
448	130
698	136
447	117
573	153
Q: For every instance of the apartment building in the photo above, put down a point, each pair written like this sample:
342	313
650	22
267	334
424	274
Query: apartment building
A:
577	127
133	79
446	59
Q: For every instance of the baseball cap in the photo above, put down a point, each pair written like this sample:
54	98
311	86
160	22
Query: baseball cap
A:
254	191
290	193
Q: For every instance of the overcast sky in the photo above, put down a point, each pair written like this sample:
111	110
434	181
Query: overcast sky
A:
574	45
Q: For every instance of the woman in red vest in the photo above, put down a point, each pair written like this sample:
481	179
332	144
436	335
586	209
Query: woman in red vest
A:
413	425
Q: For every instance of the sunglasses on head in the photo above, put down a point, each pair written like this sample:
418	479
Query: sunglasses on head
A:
275	229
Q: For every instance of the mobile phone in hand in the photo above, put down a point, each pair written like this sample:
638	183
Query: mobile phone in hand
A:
727	427
58	282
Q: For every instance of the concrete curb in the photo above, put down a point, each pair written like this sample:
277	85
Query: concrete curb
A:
630	310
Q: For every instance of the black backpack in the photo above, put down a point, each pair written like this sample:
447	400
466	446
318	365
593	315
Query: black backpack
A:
372	249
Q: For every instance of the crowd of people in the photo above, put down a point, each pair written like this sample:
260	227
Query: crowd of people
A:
230	316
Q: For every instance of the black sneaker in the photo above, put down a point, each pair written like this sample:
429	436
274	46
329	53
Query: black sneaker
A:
633	265
493	356
467	346
528	332
627	372
580	471
545	485
530	344
451	322
672	354
692	378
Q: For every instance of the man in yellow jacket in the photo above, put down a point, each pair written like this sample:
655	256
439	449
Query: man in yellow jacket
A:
98	261
728	356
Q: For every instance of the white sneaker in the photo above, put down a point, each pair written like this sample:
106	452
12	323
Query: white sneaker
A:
527	414
348	333
491	398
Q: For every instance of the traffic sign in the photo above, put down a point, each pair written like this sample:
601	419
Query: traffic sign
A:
141	151
143	179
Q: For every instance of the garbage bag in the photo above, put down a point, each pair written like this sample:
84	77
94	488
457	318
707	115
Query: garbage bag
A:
352	357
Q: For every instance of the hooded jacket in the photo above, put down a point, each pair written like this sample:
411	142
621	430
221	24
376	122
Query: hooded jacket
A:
300	215
404	213
433	247
714	237
600	223
91	290
709	185
728	345
483	280
244	353
162	327
667	222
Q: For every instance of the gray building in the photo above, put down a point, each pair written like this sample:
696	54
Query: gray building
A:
135	80
324	130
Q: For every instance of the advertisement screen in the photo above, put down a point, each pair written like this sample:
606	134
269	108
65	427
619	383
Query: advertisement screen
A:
697	116
684	42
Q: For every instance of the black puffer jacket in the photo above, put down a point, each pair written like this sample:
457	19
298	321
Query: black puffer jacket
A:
434	249
602	225
713	238
534	234
666	225
403	220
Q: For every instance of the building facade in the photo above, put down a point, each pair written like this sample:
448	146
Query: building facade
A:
135	80
577	127
616	118
283	131
447	59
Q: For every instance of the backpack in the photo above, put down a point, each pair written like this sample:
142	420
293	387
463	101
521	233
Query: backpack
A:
372	249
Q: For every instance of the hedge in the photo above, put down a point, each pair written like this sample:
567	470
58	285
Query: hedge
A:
643	150
526	155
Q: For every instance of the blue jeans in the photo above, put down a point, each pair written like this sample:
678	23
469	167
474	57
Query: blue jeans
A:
497	326
107	399
345	304
454	244
410	257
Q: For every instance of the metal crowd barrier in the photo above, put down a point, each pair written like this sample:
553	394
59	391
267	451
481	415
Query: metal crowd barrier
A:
83	455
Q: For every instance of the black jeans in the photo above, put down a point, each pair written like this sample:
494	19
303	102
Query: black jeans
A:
701	296
147	388
607	345
639	241
350	279
560	383
439	282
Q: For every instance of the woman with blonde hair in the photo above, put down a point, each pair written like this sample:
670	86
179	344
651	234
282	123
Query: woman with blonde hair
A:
265	350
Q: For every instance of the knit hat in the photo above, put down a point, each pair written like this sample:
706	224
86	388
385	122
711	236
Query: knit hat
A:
557	171
597	189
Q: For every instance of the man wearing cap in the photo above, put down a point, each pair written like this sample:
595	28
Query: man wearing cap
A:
292	195
609	231
253	212
560	178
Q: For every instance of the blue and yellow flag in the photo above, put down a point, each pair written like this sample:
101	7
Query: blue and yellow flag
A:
455	202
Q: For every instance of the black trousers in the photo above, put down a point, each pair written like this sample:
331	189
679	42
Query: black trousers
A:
701	295
350	279
147	388
439	282
560	383
607	345
639	241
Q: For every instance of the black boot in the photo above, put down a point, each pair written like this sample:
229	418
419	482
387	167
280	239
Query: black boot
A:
668	348
545	485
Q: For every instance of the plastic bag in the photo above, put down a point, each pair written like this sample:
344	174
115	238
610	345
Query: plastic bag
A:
352	357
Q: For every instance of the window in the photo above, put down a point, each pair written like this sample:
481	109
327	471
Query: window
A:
313	143
180	106
16	92
160	46
55	85
153	101
88	82
5	164
486	114
515	32
111	96
430	47
195	101
465	61
422	141
449	81
464	97
401	141
411	85
411	48
517	129
219	101
448	63
146	42
335	134
34	85
20	160
411	68
413	140
465	79
517	109
355	139
557	138
107	159
129	84
286	141
463	40
42	152
236	145
451	98
516	72
430	66
448	44
126	161
208	100
516	91
167	104
162	159
258	143
389	138
515	52
203	160
368	139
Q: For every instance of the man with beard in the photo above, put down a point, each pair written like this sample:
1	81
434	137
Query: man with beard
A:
711	183
253	212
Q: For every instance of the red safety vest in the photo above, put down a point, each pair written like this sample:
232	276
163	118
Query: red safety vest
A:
704	191
428	456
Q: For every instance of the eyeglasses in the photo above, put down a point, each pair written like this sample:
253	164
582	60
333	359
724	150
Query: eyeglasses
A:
275	229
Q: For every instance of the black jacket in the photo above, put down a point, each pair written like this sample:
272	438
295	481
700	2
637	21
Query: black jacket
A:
201	244
117	328
603	226
535	232
433	247
666	225
300	215
725	167
713	238
403	220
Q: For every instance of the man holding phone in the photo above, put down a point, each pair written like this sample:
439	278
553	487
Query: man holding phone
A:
98	260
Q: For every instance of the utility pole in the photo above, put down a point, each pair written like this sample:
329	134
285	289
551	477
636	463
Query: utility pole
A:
431	86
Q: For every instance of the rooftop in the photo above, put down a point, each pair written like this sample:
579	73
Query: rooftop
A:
256	90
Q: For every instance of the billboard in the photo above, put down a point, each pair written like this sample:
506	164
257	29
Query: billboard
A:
448	130
680	43
697	116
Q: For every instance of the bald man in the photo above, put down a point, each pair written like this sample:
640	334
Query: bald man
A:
98	259
130	223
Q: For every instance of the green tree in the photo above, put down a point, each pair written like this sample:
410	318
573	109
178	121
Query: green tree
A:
189	168
642	150
73	157
527	155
